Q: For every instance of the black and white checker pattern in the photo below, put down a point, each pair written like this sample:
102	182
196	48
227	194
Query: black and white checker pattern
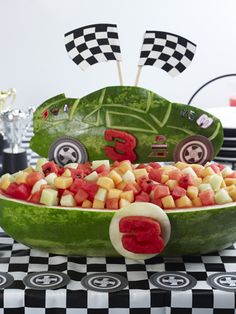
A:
169	52
92	44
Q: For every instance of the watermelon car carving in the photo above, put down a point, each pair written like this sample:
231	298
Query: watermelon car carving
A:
124	122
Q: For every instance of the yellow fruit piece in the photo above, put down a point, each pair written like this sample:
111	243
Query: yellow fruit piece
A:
29	169
106	183
115	176
21	177
164	178
87	204
206	179
128	195
66	173
121	185
223	184
5	181
63	182
168	168
114	193
197	202
98	204
125	166
232	193
123	202
208	171
230	181
183	202
230	188
197	181
192	192
171	184
138	173
101	195
196	166
168	202
181	165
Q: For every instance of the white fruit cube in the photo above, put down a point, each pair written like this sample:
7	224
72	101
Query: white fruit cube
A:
37	185
101	195
226	171
222	197
50	178
106	183
128	176
114	193
72	165
98	163
49	197
124	166
204	186
138	173
115	176
189	170
67	200
93	176
216	181
123	203
40	163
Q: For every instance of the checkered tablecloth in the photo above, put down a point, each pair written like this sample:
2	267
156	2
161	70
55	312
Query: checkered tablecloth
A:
139	297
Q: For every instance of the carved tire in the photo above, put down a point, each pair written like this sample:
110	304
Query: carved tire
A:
194	149
67	150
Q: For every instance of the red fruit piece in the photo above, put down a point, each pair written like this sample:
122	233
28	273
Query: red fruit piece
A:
80	196
220	166
33	177
207	197
142	235
19	191
91	188
155	174
86	167
77	184
35	198
175	175
154	165
112	203
100	169
50	167
158	202
186	180
232	175
215	168
76	173
145	184
132	187
161	191
178	192
142	197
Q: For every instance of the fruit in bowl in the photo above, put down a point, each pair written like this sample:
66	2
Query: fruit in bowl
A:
134	210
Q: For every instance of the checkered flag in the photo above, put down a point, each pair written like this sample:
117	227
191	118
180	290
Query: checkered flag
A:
169	52
92	44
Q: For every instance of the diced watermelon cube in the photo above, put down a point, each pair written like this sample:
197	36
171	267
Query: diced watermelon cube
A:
112	203
50	167
142	197
35	198
101	168
80	196
158	202
175	175
77	184
186	181
220	166
19	191
145	184
207	197
132	187
161	191
154	165
178	192
232	175
215	168
155	174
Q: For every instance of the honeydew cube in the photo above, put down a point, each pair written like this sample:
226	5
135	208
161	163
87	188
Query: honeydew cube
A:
230	181
40	163
123	203
87	204
138	173
98	163
6	180
164	178
128	195
171	184
181	165
50	178
93	176
63	182
20	177
49	197
98	204
66	173
208	171
197	202
101	195
189	170
114	193
115	176
124	166
67	200
168	202
121	185
192	192
216	181
37	185
226	171
72	165
106	183
204	186
222	197
232	194
128	176
183	202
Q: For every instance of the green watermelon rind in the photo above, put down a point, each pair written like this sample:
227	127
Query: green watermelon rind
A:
85	232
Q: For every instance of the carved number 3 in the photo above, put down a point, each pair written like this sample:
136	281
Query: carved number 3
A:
124	145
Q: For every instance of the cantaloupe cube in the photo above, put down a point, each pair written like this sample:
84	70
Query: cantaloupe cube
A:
128	176
183	202
114	193
101	195
197	202
197	168
98	204
230	181
20	177
206	179
124	166
87	204
230	187
121	185
29	169
115	176
128	195
181	165
123	203
208	171
232	194
67	200
197	181
63	182
192	192
164	178
138	173
66	173
49	197
93	176
6	180
171	184
106	183
168	202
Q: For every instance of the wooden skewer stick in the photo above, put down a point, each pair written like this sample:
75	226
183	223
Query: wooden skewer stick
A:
119	72
138	75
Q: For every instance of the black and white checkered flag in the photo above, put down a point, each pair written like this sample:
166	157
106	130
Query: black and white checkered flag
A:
92	44
169	52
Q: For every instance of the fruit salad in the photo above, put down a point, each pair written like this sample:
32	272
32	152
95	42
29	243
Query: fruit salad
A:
101	185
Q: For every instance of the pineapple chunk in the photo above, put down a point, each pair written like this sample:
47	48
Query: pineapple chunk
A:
67	200
101	195
138	173
123	202
197	181
230	181
181	165
232	194
63	182
49	197
216	182
50	178
20	177
197	202
192	192
128	176
115	176
222	197
37	185
189	170
98	204
206	179
183	202
6	180
128	195
114	193
168	202
66	173
106	183
171	184
168	168
208	171
164	178
93	176
121	185
29	169
124	166
98	163
87	204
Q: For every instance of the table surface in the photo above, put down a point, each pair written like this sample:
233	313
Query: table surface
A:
140	296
